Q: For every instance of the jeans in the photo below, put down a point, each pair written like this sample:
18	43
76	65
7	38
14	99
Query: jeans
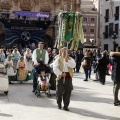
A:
87	72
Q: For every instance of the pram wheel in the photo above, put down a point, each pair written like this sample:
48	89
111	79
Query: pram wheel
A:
38	95
48	95
6	92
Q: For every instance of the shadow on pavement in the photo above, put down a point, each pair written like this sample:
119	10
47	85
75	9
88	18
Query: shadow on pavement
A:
5	115
88	96
87	113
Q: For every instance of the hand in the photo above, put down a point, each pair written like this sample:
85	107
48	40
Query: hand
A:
64	75
38	64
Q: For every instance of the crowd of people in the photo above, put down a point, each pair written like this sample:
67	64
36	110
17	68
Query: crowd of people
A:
61	67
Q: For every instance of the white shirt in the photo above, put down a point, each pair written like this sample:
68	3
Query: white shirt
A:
71	63
34	57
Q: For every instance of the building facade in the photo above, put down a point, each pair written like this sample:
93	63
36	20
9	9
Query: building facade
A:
90	24
109	24
51	6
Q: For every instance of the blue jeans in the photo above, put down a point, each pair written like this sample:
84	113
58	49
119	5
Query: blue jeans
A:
87	72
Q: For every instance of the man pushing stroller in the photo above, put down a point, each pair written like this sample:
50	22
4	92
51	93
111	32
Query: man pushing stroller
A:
40	58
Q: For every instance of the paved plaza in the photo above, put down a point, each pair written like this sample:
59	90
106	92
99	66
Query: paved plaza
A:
89	101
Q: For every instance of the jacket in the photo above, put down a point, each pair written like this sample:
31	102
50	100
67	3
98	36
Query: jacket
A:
115	61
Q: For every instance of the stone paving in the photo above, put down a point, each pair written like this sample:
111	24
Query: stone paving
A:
89	101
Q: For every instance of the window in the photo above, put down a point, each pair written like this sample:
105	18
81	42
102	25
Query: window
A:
106	47
92	19
110	29
116	28
92	30
107	15
85	19
106	32
85	30
117	13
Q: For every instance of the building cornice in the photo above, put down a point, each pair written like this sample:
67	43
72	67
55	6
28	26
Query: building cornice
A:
5	5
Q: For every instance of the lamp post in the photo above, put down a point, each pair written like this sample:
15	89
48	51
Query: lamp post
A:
114	37
92	43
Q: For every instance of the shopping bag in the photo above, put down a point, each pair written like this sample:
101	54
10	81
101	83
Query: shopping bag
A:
81	69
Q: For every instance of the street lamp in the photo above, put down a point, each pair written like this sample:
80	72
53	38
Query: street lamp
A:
92	42
114	37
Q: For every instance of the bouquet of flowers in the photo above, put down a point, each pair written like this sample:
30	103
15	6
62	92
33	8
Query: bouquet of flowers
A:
8	65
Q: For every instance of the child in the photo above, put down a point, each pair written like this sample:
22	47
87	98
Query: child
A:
43	81
22	72
21	63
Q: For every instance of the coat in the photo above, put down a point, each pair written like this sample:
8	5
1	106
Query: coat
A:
102	65
115	61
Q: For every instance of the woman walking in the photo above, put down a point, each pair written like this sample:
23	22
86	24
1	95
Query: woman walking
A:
86	64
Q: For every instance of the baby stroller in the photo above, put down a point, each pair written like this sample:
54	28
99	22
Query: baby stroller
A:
43	85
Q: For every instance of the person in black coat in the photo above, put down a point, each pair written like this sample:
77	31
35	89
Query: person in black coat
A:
115	61
79	57
102	67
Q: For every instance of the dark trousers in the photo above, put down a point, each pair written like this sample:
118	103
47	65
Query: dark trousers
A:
78	66
63	91
35	74
87	72
102	75
116	91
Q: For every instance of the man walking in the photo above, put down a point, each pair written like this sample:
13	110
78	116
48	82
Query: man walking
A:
115	61
63	68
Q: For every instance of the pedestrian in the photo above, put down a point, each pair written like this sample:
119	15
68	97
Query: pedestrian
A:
115	61
2	56
9	68
28	60
79	57
102	67
86	64
22	72
16	55
63	68
40	59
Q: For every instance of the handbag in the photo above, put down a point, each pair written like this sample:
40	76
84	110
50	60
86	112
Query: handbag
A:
84	63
